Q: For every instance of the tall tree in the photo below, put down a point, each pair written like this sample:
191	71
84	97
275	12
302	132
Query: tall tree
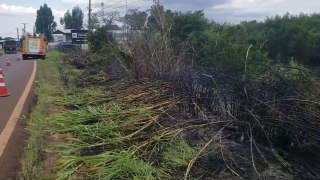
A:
73	20
95	22
66	20
135	19
108	18
103	18
45	21
159	17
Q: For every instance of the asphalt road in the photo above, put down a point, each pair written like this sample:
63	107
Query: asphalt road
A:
16	78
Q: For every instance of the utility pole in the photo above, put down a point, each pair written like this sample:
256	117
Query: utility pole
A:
89	23
24	28
126	23
18	33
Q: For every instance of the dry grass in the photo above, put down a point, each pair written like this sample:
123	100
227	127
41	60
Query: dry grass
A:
152	55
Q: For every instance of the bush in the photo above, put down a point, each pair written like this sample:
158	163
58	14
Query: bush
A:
99	39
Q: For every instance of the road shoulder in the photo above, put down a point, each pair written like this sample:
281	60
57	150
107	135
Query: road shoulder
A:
16	134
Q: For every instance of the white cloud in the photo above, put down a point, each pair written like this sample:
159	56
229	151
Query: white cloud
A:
81	1
11	17
57	14
116	2
259	9
12	9
21	10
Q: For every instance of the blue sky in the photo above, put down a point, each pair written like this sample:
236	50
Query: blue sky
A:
15	12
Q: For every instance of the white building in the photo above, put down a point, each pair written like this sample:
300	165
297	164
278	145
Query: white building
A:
118	34
62	36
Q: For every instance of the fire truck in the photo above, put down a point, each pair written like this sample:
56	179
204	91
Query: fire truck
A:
34	46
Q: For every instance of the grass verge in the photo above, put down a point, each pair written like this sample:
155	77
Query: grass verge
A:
48	87
104	130
89	126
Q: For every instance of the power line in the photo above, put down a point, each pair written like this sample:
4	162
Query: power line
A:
67	5
73	2
89	23
123	6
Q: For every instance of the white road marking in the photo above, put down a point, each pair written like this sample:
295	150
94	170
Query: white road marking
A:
7	131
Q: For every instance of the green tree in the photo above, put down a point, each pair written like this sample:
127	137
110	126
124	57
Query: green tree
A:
135	19
107	18
188	24
45	21
159	18
66	20
293	37
95	22
73	20
99	39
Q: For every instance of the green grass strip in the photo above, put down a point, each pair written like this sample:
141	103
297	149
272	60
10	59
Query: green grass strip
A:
48	86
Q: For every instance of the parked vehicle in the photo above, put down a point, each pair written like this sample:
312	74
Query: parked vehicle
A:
34	46
68	47
10	46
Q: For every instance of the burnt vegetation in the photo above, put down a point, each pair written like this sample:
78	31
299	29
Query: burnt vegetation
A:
187	98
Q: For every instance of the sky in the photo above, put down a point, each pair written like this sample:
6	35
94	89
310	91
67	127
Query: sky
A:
15	12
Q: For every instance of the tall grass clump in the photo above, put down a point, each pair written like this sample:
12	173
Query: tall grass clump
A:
153	53
107	131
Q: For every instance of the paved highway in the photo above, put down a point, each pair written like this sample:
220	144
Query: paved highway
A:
16	78
13	108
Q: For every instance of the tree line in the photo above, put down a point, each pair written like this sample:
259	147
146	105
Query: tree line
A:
276	39
280	38
74	19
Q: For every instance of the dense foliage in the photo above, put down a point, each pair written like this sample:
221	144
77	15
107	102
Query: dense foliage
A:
279	38
45	23
99	39
135	19
73	20
296	37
